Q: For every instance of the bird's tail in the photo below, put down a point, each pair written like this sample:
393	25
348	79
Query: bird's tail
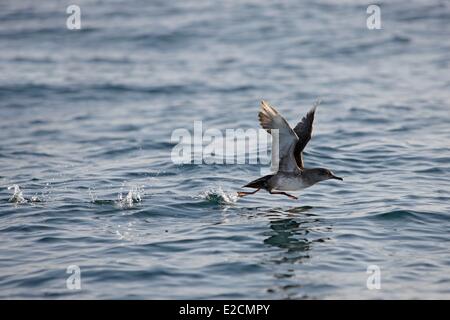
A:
260	183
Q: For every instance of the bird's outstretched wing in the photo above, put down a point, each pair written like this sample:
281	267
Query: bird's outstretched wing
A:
271	120
303	129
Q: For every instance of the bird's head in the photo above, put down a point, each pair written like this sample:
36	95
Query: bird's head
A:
321	174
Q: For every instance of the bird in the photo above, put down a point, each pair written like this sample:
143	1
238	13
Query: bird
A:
292	174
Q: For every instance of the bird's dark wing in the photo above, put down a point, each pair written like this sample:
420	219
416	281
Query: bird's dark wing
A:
284	137
303	129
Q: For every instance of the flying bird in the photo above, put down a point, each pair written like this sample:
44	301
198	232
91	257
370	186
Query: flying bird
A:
292	174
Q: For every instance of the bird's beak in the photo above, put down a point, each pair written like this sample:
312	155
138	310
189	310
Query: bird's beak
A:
337	178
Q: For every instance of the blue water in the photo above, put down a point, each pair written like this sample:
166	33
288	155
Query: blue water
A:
86	118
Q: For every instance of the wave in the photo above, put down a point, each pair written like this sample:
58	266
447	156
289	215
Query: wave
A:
410	215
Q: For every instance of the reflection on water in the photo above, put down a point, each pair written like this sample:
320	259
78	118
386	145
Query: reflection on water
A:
292	234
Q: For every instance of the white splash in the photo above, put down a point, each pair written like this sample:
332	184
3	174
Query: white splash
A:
93	195
35	199
17	196
133	197
217	195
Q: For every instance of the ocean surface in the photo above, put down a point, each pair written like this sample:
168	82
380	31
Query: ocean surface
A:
87	178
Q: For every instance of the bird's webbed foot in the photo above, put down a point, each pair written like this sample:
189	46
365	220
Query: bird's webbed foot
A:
284	193
243	194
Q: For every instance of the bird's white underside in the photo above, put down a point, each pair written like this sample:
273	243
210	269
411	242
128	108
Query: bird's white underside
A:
283	182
